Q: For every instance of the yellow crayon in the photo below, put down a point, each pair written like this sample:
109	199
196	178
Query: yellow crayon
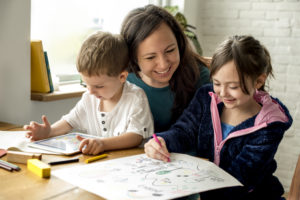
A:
95	158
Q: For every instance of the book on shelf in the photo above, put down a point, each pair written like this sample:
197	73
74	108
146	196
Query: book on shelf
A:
39	74
48	72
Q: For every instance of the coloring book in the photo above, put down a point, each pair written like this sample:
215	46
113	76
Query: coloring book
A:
140	177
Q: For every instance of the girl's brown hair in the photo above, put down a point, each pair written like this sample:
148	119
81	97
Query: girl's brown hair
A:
250	57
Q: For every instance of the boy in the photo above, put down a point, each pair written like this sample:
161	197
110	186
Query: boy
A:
111	108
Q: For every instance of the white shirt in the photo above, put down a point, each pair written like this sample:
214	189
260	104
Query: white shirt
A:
131	114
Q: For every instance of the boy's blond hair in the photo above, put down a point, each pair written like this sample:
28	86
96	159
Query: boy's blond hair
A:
103	53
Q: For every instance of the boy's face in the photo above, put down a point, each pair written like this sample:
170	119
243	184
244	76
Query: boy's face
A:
105	87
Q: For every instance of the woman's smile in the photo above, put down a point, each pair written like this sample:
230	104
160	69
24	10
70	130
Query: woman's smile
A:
163	72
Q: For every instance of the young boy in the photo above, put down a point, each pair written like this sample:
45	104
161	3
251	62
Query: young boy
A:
111	108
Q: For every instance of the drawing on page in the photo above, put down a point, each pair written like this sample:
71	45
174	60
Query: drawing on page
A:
140	177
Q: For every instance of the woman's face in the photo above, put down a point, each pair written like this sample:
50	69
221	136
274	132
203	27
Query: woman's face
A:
158	57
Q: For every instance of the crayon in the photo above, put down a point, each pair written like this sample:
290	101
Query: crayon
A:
6	167
14	167
157	140
95	158
63	161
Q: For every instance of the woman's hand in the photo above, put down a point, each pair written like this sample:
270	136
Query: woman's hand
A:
38	131
90	146
157	151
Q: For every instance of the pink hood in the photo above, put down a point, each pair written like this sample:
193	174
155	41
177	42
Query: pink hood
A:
271	111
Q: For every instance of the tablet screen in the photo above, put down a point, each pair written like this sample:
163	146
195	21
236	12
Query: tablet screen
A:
66	144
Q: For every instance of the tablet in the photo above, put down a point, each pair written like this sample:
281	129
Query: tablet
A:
66	144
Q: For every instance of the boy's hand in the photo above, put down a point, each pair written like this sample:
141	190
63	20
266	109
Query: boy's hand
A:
38	131
154	150
91	146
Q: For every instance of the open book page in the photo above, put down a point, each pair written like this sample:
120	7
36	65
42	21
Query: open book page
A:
140	177
16	141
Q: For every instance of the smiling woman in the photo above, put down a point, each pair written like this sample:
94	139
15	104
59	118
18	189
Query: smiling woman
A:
63	25
162	62
159	56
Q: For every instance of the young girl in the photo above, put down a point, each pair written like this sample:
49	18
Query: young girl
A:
234	122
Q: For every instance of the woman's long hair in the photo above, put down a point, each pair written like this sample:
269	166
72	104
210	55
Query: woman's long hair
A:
138	25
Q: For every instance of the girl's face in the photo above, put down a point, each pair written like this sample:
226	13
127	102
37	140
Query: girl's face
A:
105	87
158	57
227	86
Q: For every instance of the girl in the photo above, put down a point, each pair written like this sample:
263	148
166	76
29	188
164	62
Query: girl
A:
162	63
234	122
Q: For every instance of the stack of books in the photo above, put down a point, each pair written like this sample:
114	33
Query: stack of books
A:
41	80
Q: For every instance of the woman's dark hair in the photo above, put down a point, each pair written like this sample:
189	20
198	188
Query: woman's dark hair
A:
250	57
138	25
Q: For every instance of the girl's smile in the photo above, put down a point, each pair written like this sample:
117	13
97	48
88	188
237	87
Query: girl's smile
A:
227	86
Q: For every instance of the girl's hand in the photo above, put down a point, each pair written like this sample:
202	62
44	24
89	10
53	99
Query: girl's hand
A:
91	146
38	131
154	150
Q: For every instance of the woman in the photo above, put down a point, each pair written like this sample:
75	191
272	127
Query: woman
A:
162	63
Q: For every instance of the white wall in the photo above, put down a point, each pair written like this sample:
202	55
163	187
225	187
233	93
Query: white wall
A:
15	104
276	23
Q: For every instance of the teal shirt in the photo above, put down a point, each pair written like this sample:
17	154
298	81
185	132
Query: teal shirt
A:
161	99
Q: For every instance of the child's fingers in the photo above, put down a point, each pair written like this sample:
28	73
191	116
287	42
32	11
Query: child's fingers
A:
164	147
162	157
33	125
156	151
84	143
26	127
28	134
45	120
160	148
97	146
95	149
79	138
153	153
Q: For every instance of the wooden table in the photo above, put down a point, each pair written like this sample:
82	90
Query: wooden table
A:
26	185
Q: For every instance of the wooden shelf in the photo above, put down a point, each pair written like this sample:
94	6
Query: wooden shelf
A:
64	92
7	126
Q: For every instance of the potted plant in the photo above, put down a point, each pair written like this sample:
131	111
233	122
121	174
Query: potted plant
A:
181	19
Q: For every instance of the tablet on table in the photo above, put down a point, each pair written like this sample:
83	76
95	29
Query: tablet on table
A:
66	144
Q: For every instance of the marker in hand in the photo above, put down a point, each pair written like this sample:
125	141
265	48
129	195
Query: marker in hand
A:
157	140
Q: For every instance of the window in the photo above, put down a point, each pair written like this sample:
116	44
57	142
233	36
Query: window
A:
63	25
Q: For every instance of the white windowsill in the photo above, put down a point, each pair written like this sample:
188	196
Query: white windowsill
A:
64	92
